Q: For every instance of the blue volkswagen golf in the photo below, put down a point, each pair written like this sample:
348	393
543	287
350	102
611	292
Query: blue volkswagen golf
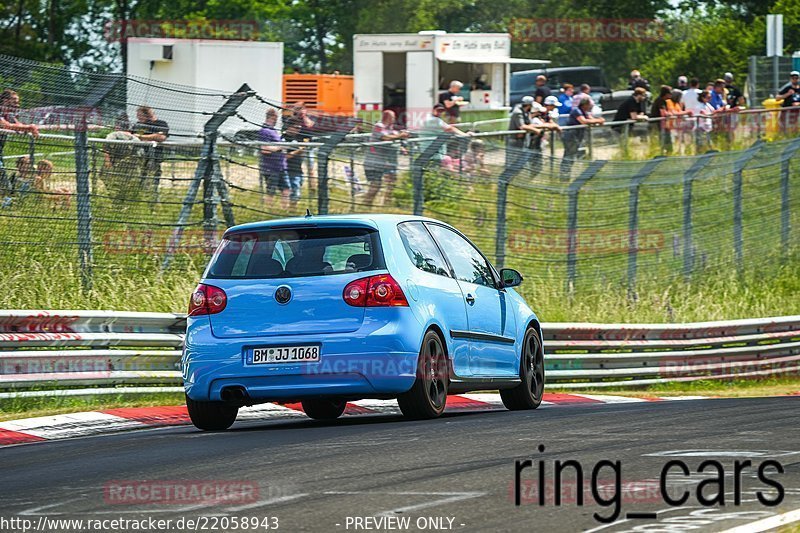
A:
329	309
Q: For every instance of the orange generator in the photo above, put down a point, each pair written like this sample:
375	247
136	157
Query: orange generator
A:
325	93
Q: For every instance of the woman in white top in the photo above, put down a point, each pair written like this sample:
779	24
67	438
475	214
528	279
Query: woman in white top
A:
703	112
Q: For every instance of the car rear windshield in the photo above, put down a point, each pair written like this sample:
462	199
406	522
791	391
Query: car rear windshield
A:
296	252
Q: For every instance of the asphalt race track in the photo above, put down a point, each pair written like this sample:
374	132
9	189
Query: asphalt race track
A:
457	473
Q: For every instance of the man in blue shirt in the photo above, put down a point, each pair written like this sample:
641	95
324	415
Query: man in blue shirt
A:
718	95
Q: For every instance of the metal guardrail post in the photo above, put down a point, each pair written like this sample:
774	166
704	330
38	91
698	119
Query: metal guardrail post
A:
84	204
323	155
418	170
688	179
572	219
738	167
513	166
205	171
786	158
633	221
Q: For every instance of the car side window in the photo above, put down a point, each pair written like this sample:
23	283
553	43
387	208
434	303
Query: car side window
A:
421	249
467	262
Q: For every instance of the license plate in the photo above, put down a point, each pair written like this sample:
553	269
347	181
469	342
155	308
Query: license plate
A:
283	354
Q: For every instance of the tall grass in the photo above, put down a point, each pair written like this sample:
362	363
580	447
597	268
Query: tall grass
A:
767	291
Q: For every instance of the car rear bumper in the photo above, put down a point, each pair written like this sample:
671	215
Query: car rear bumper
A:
379	359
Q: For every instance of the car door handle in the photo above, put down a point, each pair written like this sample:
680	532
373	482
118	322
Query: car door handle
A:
470	299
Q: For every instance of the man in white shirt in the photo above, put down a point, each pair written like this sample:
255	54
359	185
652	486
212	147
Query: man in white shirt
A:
690	101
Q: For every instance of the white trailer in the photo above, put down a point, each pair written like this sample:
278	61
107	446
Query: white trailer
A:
406	72
214	66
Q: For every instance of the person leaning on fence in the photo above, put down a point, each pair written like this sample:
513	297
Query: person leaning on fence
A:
9	106
572	138
150	128
789	97
380	160
633	108
546	120
676	118
432	127
690	95
273	171
705	124
565	99
521	122
658	110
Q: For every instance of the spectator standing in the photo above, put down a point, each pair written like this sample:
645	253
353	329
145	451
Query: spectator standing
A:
150	128
579	116
705	125
565	99
584	92
9	106
675	117
718	95
636	80
683	83
545	119
273	169
542	90
299	112
690	95
452	102
789	96
659	109
381	161
293	133
520	121
734	97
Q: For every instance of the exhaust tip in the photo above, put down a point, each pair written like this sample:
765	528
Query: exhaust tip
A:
234	395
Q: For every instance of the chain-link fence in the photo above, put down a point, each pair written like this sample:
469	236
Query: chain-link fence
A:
766	75
95	196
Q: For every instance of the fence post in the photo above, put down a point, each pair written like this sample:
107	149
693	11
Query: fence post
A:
83	203
207	165
572	218
589	149
323	155
738	167
786	156
513	166
633	220
418	168
210	198
688	179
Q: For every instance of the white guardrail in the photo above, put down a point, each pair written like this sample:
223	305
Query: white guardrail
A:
51	350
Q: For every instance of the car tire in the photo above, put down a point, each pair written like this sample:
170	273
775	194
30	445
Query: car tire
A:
528	394
211	416
428	396
324	409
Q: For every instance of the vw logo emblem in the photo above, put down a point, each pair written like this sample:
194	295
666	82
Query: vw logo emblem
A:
283	294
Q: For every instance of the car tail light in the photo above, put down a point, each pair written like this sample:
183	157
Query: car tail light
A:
207	300
375	291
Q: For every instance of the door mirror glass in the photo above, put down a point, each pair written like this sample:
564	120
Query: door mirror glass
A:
511	278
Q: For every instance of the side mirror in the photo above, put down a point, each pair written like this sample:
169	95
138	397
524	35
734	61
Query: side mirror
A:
510	277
